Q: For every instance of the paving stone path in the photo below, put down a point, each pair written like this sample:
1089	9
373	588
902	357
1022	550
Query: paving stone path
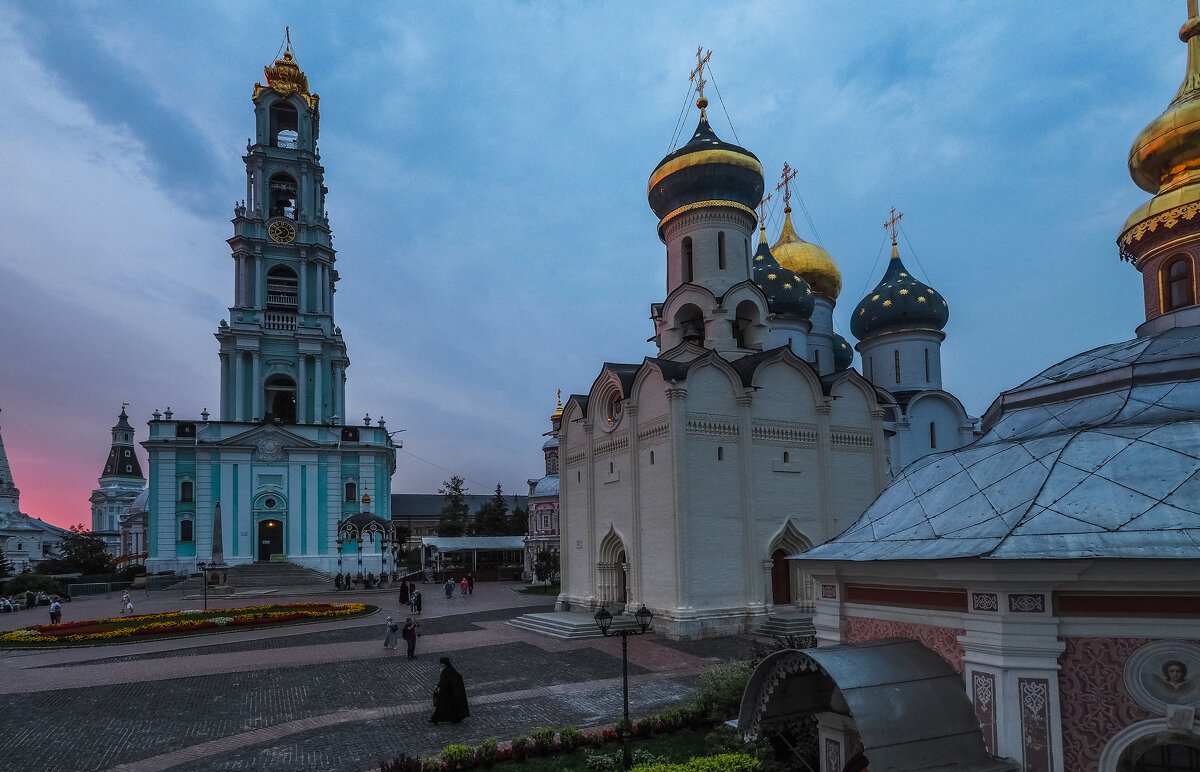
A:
324	696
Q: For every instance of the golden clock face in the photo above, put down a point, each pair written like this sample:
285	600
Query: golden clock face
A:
281	231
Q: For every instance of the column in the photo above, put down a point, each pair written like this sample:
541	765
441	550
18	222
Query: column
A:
634	555
239	405
224	409
256	401
302	301
302	390
750	548
318	390
677	408
259	277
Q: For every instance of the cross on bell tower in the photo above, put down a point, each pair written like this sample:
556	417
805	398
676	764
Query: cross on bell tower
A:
892	224
697	75
788	175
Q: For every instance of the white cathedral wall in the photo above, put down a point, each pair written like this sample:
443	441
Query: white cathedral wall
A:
911	440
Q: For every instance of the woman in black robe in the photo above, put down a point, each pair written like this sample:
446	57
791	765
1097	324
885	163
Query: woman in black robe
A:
450	696
403	595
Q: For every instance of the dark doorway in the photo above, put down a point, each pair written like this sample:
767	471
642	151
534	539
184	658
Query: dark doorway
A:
270	539
622	579
280	402
781	579
1169	758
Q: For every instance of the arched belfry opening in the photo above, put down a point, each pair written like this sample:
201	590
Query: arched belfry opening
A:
280	400
689	320
282	288
283	195
285	126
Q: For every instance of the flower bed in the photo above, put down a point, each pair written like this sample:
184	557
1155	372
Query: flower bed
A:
174	623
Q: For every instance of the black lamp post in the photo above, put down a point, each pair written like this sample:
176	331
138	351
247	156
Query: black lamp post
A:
339	548
204	573
603	621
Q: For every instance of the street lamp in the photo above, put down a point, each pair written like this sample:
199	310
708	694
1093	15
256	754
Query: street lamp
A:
603	621
203	567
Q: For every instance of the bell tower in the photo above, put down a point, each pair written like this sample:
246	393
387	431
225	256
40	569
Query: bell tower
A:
283	359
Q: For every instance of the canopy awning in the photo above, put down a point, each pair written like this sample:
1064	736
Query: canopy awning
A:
907	703
459	543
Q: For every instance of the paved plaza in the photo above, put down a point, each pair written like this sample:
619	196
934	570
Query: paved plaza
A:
321	696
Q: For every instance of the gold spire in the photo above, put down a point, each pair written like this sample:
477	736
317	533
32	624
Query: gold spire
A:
558	411
1165	157
799	256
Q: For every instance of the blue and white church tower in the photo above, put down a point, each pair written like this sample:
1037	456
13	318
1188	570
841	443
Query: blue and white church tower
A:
280	469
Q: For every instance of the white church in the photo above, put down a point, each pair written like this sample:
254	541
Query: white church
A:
686	479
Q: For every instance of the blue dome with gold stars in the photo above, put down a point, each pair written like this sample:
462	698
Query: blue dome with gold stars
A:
705	171
788	294
843	355
899	302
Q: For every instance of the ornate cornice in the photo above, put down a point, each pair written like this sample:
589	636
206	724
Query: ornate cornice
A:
1168	219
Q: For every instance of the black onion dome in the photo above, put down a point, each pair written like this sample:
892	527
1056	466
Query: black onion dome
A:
788	294
843	355
899	302
705	169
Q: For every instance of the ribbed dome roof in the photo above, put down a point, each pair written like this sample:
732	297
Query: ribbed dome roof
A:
809	260
705	171
788	294
550	443
843	355
547	486
898	302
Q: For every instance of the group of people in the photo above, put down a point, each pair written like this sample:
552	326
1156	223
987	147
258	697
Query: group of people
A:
466	586
410	633
346	581
410	596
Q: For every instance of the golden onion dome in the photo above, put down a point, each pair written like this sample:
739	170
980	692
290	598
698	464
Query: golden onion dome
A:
1165	157
809	260
557	414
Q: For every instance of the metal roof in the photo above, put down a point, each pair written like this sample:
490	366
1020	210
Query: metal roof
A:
1098	457
907	703
457	543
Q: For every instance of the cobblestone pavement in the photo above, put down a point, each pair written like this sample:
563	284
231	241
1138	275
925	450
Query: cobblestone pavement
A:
324	697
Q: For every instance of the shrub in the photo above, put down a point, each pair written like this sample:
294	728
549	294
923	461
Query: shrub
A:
721	688
729	762
520	748
432	764
671	719
486	754
543	740
643	728
457	757
602	762
35	582
570	738
402	763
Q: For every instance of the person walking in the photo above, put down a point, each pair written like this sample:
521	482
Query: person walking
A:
126	603
417	602
55	612
470	584
403	594
29	599
463	587
449	588
389	633
409	634
450	696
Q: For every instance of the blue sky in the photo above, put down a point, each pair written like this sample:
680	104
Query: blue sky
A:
487	165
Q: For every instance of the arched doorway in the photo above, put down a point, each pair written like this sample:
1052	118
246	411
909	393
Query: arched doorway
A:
781	579
280	399
1169	758
270	539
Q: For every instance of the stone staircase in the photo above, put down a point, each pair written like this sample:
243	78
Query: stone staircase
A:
260	575
783	623
569	625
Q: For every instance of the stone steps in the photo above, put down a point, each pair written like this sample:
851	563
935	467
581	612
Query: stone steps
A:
261	575
788	623
568	625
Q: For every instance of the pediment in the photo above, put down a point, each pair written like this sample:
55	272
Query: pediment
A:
270	443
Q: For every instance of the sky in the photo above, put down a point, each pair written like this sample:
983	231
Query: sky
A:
487	166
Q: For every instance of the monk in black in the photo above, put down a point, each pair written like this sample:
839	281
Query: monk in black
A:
450	696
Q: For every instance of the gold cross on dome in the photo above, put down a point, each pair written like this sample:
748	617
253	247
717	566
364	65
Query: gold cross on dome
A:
697	75
892	223
762	210
789	174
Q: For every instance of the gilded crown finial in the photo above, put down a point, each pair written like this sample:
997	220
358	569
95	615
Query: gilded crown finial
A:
285	77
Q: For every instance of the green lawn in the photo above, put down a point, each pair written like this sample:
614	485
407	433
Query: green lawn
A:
541	589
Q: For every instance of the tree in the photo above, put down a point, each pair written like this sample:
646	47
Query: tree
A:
6	568
492	518
545	566
84	551
453	521
518	523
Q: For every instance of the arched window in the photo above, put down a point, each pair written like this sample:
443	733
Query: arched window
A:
283	125
932	436
282	287
786	457
817	358
927	365
721	250
1178	282
896	356
610	467
283	196
185	530
652	458
687	259
720	453
280	399
185	491
351	492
